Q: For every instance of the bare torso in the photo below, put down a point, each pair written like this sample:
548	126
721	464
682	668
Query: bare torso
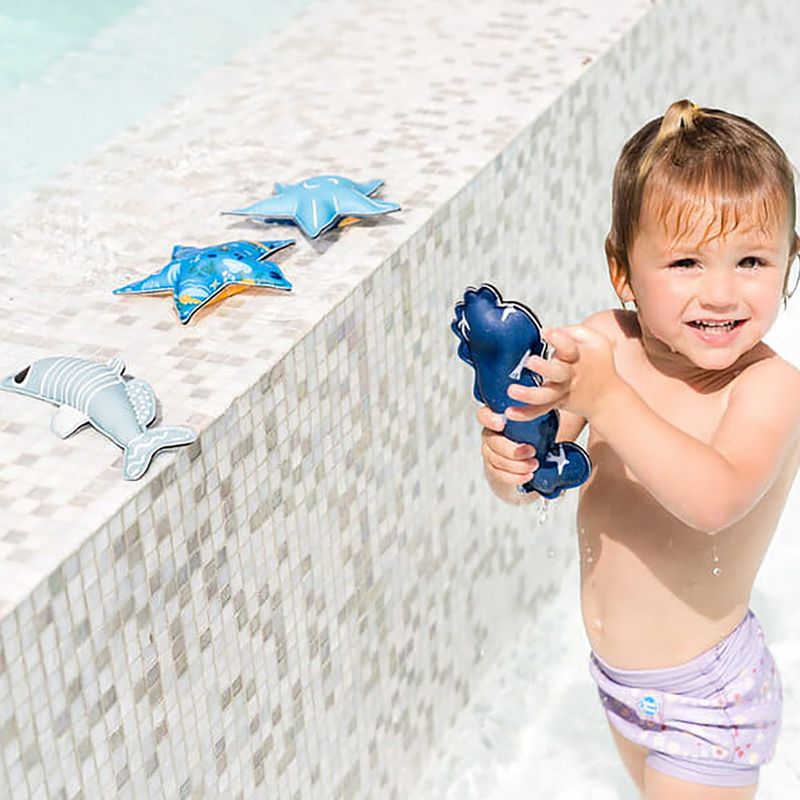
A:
655	592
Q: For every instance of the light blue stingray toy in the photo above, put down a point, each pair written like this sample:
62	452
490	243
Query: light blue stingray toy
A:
89	392
496	338
320	203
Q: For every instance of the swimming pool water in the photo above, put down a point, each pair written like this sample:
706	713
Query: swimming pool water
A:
36	33
73	75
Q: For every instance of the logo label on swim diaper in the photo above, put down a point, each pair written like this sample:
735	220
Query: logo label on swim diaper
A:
649	706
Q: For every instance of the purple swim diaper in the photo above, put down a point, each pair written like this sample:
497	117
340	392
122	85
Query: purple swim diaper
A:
713	720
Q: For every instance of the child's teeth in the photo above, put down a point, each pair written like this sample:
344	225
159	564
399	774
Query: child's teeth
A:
716	324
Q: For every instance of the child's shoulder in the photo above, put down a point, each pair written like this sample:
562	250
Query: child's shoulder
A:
768	370
615	323
765	385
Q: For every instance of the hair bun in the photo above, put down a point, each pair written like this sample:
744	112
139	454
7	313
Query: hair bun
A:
681	115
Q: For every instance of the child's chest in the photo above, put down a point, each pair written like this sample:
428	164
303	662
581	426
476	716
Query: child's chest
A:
697	412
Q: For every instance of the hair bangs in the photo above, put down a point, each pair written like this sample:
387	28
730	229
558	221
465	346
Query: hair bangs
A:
699	206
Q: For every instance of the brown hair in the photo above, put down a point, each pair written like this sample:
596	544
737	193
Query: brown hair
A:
691	153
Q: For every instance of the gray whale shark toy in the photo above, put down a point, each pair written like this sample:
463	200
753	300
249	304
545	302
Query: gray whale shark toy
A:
90	392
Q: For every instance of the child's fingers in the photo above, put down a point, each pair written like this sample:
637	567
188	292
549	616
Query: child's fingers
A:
506	469
548	394
552	369
506	448
565	346
508	477
490	420
528	412
511	466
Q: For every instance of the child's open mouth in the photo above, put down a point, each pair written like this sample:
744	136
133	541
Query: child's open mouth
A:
716	331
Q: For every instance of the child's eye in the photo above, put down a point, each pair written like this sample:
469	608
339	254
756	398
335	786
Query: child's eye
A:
684	262
756	262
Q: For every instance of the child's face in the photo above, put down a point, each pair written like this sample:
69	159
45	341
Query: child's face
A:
684	285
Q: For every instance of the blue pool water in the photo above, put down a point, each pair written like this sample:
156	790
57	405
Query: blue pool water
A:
36	33
74	74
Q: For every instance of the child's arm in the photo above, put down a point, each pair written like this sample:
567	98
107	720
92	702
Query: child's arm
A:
708	486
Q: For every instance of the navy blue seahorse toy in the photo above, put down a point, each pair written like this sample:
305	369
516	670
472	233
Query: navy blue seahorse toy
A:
496	339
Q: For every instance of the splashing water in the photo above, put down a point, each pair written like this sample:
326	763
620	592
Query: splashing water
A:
544	510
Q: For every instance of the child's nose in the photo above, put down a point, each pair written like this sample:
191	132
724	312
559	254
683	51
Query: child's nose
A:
718	289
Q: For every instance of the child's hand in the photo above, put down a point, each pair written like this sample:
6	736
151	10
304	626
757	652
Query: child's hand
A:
504	461
576	379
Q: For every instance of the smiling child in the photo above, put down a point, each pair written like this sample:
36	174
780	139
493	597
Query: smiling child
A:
694	432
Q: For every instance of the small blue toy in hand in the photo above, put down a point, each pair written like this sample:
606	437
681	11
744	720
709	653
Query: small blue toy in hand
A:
496	339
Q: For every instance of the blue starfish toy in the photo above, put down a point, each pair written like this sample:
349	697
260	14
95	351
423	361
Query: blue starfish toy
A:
200	275
496	338
318	204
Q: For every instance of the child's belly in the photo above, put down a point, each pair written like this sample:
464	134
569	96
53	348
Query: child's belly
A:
634	621
655	592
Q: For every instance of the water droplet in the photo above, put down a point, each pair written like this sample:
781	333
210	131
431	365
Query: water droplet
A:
544	508
551	553
715	571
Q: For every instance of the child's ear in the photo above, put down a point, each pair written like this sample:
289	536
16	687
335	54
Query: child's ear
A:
619	280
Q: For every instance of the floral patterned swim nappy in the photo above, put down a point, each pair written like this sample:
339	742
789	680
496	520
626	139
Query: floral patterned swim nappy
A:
713	720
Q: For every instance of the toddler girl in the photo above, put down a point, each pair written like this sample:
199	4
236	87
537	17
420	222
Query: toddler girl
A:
694	433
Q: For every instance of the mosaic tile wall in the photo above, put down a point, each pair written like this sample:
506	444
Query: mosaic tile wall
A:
300	604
